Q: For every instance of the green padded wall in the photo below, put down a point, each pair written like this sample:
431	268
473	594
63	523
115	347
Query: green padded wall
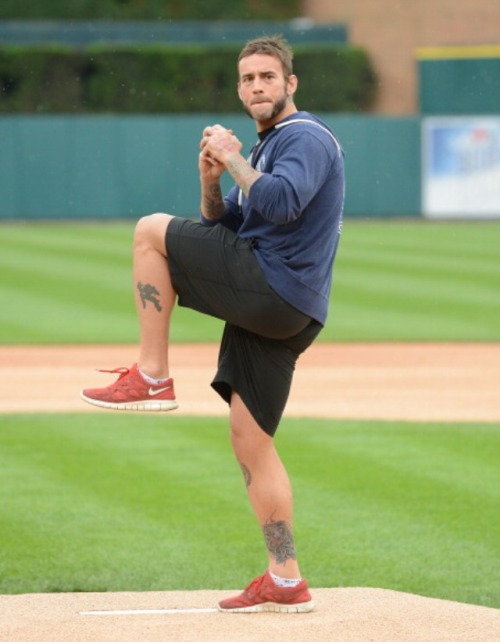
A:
67	167
459	80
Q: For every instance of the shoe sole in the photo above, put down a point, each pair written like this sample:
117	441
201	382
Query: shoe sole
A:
158	405
271	607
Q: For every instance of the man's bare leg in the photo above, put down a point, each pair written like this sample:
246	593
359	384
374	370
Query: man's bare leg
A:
268	488
154	294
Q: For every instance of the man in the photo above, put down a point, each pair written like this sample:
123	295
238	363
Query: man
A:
261	259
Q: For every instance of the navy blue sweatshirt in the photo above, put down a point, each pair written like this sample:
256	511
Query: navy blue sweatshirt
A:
293	213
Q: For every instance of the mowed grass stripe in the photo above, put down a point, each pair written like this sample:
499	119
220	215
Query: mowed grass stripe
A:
46	318
417	281
422	448
413	248
404	285
407	318
122	495
107	238
403	497
55	285
52	259
73	283
396	280
119	502
49	264
448	270
440	237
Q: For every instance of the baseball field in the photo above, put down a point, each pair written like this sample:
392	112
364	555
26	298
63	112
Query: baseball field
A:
119	526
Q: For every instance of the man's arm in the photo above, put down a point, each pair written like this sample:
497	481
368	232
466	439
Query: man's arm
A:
212	204
242	172
221	148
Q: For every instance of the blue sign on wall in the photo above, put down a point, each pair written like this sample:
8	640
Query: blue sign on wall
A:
461	167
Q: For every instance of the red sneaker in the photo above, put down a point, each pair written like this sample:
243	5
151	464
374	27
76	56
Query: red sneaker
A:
264	595
132	392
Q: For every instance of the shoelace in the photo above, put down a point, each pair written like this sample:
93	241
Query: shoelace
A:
254	587
119	371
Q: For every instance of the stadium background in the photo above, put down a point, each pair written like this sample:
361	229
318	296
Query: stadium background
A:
428	61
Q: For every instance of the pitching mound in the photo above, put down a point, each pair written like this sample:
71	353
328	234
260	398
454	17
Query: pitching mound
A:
344	614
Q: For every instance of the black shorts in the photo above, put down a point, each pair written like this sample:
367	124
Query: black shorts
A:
216	272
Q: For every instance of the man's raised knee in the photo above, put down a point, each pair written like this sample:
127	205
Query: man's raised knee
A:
151	229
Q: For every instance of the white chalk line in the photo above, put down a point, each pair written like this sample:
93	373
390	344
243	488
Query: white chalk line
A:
148	612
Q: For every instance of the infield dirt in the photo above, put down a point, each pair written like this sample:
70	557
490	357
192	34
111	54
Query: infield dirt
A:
416	381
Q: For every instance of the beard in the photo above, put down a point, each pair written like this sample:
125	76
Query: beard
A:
277	108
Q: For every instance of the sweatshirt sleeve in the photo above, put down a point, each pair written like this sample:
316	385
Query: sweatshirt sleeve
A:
304	160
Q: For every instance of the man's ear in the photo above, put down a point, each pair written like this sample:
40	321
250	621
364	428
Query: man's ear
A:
292	85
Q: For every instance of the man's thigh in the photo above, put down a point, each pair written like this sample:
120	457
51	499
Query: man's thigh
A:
260	370
215	272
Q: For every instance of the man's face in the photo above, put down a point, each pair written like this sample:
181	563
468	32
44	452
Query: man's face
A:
265	93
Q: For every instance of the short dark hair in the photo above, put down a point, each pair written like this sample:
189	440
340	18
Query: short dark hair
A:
275	46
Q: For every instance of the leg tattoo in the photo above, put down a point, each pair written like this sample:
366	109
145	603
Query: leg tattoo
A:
279	540
148	292
247	475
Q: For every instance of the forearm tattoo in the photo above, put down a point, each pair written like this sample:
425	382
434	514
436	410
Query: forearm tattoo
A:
279	540
213	205
243	173
148	292
247	475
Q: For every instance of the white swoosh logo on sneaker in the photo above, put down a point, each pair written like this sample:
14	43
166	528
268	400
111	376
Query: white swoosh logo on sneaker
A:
152	392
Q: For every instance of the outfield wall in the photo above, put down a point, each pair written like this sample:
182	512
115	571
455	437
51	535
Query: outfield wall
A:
106	166
459	80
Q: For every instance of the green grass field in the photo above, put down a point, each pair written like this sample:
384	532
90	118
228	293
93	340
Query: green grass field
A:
396	280
108	502
105	502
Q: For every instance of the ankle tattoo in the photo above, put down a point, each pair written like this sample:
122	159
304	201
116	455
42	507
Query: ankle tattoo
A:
279	540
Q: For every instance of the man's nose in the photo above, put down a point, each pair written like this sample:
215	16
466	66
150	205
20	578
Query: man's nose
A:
257	85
